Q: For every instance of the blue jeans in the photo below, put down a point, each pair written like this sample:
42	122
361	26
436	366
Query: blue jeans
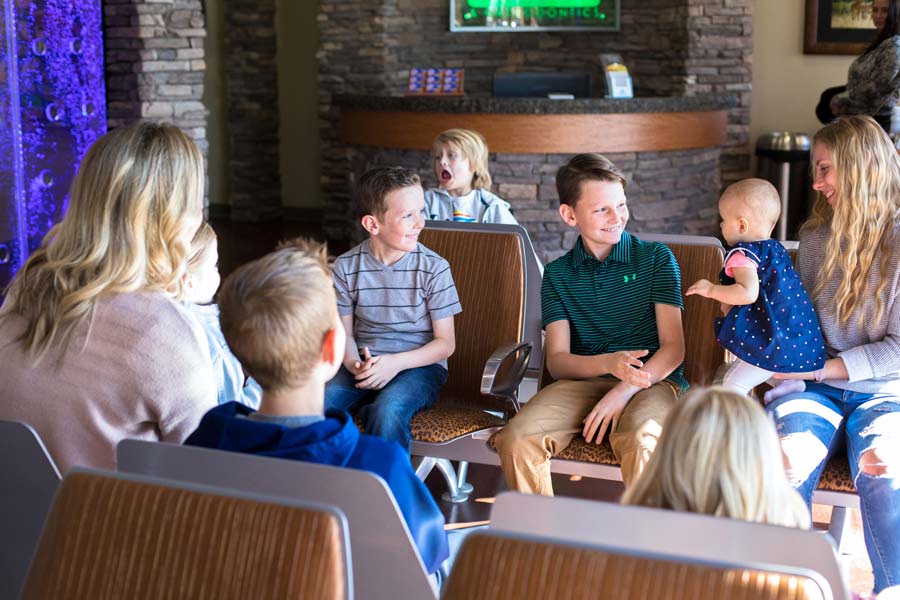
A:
810	424
387	412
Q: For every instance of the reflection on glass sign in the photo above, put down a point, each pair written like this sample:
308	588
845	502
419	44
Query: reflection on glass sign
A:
532	15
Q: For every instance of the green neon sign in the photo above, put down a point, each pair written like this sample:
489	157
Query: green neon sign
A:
534	15
508	4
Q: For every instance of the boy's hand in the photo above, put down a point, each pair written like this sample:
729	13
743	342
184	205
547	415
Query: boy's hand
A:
605	415
625	366
702	287
358	366
377	372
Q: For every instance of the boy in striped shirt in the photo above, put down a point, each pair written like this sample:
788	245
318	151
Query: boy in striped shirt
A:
611	309
396	300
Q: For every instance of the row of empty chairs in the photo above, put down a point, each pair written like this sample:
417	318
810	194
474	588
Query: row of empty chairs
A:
180	521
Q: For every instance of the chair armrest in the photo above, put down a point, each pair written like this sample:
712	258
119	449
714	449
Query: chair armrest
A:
506	387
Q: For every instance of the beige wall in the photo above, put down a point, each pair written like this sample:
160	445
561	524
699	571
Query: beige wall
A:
297	98
298	40
786	82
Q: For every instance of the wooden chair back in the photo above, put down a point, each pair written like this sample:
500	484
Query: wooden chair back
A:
386	563
489	272
495	566
111	535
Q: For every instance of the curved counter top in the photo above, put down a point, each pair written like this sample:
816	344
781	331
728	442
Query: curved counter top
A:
539	125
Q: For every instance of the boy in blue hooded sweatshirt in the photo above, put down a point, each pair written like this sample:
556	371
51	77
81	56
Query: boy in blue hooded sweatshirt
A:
279	316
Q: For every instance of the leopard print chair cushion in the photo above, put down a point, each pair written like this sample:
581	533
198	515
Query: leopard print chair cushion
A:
443	424
836	476
580	450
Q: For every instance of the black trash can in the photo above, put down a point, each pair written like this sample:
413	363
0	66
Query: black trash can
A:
783	159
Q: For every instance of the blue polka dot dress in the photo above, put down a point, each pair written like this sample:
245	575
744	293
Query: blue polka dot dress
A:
780	331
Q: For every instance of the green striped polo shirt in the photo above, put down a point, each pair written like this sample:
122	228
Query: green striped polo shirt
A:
610	304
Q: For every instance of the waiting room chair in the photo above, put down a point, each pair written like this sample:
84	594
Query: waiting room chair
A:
496	566
491	357
386	563
111	535
638	552
28	480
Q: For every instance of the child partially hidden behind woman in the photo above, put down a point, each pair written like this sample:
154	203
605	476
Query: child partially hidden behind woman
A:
771	326
201	280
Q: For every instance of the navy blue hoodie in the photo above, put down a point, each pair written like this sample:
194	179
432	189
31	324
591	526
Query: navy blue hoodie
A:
333	441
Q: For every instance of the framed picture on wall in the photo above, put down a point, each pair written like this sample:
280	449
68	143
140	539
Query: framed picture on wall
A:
838	26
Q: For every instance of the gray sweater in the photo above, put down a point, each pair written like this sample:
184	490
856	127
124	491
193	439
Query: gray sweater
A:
871	352
873	81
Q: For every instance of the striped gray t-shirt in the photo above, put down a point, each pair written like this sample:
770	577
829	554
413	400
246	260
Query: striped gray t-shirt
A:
393	306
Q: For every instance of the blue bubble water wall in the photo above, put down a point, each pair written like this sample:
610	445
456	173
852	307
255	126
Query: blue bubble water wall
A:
52	107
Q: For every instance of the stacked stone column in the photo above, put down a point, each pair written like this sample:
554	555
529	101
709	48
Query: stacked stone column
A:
155	63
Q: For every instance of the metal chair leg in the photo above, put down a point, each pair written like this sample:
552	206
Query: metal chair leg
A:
839	526
453	493
423	466
461	471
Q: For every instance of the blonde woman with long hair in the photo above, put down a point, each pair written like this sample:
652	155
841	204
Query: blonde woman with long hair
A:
718	455
849	258
93	348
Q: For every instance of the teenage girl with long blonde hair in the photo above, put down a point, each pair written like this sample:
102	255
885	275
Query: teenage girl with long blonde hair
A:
718	455
849	258
93	349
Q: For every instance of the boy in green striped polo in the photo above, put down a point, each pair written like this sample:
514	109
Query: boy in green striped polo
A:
611	309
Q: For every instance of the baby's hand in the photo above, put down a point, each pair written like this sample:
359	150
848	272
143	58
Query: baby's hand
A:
703	287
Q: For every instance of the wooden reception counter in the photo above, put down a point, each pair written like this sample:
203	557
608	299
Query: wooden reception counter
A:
538	125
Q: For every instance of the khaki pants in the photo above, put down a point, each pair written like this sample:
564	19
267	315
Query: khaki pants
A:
550	421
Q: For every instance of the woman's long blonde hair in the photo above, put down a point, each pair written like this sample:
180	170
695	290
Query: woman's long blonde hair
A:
124	231
865	210
719	455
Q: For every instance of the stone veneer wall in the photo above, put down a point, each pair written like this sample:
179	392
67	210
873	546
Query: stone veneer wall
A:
672	47
251	81
720	60
155	63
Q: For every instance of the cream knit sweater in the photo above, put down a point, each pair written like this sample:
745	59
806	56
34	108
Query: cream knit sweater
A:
144	373
871	352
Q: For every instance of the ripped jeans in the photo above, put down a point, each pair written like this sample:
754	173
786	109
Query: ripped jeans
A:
810	424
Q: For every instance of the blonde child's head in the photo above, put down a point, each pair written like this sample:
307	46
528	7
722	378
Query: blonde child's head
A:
461	161
856	172
749	210
201	278
719	455
278	314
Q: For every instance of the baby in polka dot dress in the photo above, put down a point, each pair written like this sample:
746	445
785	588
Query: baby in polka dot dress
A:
771	325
